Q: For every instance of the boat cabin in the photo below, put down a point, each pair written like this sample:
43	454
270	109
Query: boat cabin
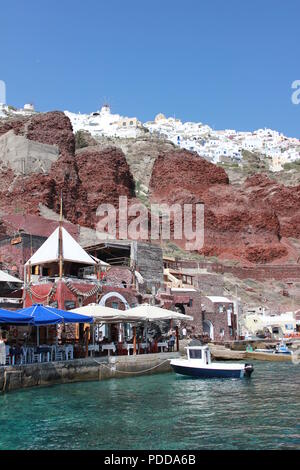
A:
200	353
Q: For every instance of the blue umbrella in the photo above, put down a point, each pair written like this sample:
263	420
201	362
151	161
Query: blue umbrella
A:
45	315
7	316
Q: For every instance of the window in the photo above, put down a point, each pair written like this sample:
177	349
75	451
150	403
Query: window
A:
221	308
195	353
115	305
131	123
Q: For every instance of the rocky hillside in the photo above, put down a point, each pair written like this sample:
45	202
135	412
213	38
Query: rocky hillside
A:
85	181
252	223
254	220
140	153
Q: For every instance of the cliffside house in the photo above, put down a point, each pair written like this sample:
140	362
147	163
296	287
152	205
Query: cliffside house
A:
218	318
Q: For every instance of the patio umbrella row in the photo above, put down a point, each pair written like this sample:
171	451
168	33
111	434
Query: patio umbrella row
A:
38	315
144	312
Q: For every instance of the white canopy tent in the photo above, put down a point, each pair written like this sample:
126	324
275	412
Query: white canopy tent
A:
71	250
5	277
99	261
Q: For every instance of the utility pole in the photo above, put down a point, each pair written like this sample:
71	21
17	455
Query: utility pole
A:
60	240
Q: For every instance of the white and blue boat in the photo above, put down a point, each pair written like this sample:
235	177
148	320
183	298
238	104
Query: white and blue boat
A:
282	348
199	364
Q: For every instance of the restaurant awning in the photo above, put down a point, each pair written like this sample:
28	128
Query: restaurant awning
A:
71	250
5	277
7	316
45	315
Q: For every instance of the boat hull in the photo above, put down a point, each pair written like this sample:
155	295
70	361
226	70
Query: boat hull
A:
210	373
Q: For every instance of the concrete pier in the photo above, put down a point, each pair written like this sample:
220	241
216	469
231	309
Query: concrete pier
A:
81	370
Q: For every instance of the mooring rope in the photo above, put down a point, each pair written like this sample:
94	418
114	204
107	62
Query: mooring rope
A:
133	372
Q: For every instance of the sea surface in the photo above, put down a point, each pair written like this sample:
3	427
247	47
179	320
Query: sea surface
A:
158	412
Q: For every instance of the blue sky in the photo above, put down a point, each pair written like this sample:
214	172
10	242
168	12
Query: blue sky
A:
229	64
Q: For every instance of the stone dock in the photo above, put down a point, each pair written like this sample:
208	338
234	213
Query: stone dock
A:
221	353
81	370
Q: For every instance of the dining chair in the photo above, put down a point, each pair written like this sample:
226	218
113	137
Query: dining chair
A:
59	354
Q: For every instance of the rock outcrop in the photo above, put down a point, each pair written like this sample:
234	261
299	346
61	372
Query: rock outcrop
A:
253	223
243	224
104	176
85	181
23	193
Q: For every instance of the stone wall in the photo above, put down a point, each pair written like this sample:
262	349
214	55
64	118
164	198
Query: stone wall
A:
81	370
258	272
195	327
149	262
13	256
211	312
25	156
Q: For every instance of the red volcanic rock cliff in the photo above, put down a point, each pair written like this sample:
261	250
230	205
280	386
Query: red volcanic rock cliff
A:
245	224
23	193
285	201
251	224
85	181
178	168
104	176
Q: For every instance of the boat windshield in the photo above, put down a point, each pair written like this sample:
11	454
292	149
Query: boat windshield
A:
195	353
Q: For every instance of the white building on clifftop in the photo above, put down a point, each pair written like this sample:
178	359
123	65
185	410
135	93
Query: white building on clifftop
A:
104	123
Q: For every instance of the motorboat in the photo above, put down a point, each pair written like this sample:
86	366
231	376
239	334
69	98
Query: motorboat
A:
198	364
282	348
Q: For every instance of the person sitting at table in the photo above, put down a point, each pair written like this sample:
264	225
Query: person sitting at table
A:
100	337
16	351
130	340
63	336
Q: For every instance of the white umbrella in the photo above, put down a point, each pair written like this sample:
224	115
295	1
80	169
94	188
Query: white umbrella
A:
152	313
103	314
144	312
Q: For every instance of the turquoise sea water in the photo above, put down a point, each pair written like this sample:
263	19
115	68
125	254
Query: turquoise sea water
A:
158	412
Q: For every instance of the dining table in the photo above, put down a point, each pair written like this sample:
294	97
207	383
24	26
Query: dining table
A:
162	345
108	348
92	348
128	346
143	346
